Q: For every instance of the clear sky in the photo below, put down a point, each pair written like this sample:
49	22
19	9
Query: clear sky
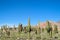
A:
18	11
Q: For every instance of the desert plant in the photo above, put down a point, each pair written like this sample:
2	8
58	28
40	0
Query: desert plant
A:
42	29
8	33
14	27
20	28
29	26
49	28
25	30
39	28
55	29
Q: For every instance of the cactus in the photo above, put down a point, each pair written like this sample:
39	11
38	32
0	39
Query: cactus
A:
49	28
20	28
8	33
24	29
29	28
39	29
55	29
14	27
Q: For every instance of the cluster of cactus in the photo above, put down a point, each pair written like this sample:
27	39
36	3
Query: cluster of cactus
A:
5	27
1	28
6	30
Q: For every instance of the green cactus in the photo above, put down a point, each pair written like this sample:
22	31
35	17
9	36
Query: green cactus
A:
29	28
49	28
55	29
8	33
20	28
39	29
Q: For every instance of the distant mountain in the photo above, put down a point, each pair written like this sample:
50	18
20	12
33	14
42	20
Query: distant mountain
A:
58	22
43	24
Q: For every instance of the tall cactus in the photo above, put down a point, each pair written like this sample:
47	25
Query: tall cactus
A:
29	28
49	28
39	29
14	27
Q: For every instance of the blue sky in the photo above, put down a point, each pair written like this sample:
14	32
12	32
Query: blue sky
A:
18	11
